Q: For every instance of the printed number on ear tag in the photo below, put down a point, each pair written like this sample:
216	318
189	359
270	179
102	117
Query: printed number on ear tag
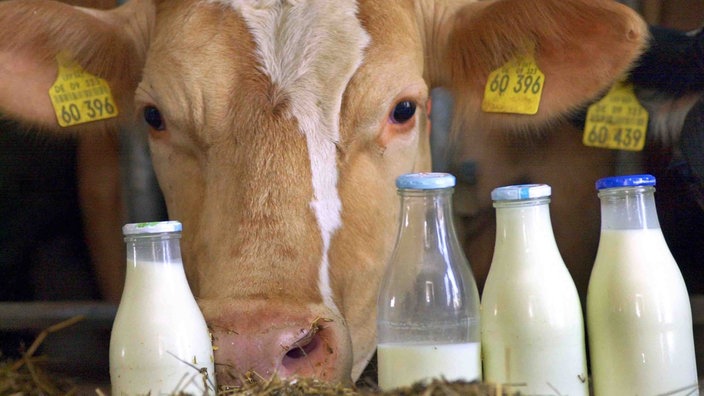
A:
78	96
618	121
515	87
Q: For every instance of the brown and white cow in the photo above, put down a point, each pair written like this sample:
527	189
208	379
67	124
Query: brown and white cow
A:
277	128
668	81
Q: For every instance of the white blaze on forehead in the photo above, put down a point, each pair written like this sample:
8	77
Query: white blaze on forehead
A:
310	50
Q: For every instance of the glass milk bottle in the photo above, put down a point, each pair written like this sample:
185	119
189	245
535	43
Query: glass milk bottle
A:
532	323
428	307
159	343
638	313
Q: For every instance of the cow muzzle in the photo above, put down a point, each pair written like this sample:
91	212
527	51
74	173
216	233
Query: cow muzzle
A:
257	340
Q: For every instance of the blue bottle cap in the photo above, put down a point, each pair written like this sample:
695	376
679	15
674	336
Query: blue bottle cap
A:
425	181
156	227
625	181
521	191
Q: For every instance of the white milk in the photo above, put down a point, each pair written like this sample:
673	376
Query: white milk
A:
159	340
532	323
543	368
639	318
404	364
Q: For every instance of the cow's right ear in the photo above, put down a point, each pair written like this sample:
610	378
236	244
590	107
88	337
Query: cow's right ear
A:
108	44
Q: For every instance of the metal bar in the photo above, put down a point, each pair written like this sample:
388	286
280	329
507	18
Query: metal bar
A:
41	314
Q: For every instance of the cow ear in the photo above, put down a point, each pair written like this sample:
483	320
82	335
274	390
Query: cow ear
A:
581	46
110	45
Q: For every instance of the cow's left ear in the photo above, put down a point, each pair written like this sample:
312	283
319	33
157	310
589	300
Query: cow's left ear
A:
581	46
34	34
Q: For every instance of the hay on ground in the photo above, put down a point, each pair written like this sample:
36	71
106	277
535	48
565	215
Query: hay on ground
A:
26	376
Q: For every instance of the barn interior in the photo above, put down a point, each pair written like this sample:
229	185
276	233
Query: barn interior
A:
49	215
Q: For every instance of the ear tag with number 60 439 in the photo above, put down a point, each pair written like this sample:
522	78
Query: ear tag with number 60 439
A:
618	121
78	96
515	87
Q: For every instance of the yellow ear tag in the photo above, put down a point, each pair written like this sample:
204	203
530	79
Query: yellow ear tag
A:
515	87
79	97
617	121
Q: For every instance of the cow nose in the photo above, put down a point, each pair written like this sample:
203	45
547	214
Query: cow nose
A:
255	346
292	351
302	349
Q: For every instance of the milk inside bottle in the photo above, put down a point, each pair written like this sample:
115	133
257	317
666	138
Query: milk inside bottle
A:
532	324
159	342
639	318
428	307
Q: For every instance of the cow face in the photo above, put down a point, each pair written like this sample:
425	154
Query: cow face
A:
282	179
278	127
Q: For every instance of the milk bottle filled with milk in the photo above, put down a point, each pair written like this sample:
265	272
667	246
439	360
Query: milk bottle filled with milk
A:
532	323
159	343
639	319
428	307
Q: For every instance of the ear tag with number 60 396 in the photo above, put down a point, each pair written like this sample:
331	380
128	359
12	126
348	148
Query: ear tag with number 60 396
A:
618	121
78	96
515	87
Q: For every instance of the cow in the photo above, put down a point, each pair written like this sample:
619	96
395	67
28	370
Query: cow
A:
668	82
277	129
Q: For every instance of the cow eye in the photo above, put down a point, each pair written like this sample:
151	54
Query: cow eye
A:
403	112
153	117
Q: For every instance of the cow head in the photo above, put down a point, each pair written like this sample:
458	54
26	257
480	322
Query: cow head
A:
277	128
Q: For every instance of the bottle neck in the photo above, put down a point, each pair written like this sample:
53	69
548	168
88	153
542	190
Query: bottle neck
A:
156	248
430	209
628	208
524	221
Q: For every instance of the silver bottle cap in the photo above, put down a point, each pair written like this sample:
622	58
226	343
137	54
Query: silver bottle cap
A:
425	181
520	192
156	227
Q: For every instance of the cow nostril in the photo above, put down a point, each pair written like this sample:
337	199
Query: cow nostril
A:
302	348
